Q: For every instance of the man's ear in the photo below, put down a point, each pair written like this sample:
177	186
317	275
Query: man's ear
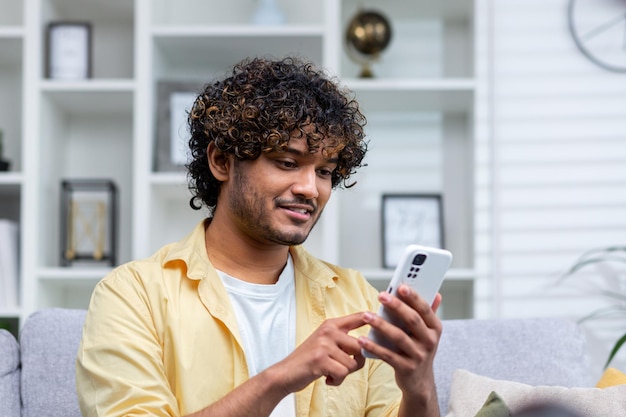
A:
219	162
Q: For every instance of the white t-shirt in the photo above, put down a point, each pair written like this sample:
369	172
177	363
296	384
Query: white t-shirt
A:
266	316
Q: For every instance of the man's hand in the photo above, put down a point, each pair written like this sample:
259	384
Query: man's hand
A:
413	362
329	351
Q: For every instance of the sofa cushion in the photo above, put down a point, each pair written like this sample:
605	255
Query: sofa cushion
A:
547	351
49	342
468	392
494	407
610	378
9	375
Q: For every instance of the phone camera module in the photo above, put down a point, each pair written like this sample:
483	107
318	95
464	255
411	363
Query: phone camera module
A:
419	259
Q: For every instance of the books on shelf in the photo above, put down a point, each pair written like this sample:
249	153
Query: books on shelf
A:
9	261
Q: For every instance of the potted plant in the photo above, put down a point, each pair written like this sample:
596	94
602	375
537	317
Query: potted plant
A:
4	164
610	262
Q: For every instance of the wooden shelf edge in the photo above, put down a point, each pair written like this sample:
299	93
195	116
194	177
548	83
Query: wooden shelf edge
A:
74	274
198	31
11	32
89	85
412	84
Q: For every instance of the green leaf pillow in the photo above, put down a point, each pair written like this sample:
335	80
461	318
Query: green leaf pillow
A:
493	407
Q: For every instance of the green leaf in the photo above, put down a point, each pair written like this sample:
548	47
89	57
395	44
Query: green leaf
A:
603	312
581	263
613	290
595	256
619	296
607	249
617	347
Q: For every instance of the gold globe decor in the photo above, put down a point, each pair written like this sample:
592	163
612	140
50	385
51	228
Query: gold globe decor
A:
367	36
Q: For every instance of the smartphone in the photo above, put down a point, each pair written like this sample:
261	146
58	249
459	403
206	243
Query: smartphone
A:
422	268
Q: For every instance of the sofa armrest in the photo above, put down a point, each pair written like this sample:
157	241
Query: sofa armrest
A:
49	343
9	375
542	351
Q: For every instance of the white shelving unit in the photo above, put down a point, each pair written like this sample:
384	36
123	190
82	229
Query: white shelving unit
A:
12	36
419	109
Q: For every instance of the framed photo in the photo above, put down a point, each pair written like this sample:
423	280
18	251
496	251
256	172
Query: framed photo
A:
89	211
410	219
68	52
174	101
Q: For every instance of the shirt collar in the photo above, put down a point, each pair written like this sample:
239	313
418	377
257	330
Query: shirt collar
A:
192	251
312	268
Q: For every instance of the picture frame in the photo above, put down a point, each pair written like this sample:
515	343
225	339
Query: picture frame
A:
69	50
410	219
174	100
89	216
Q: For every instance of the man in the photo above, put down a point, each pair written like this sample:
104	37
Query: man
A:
238	319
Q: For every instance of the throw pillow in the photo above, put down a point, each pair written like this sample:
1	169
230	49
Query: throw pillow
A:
610	378
468	391
493	407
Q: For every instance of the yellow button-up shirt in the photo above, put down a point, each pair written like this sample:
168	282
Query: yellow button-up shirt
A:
161	338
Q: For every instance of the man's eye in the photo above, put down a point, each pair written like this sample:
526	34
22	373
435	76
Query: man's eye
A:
325	172
288	164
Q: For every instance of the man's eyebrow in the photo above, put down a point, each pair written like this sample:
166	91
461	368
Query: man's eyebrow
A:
294	151
298	152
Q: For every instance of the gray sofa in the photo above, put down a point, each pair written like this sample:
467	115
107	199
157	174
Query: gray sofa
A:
37	375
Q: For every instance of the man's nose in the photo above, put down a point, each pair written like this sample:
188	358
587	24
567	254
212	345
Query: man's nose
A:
306	183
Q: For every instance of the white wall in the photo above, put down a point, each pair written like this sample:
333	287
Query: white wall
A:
551	167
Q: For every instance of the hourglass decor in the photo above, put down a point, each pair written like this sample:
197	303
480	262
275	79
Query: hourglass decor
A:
88	221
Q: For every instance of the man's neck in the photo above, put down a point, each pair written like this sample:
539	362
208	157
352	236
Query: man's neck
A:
242	258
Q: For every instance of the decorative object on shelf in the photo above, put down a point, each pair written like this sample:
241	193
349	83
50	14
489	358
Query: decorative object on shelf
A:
410	219
89	210
5	164
175	99
68	51
598	28
610	264
9	263
268	12
368	34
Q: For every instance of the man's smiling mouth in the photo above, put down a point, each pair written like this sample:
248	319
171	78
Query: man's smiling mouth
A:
303	211
300	209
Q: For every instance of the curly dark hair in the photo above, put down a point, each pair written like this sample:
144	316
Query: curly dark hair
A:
259	107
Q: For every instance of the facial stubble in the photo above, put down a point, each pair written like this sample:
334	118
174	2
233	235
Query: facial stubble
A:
248	206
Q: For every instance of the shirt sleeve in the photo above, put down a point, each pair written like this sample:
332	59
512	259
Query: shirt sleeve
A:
383	397
119	367
383	394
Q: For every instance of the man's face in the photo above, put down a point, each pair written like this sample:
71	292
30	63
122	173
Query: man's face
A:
279	196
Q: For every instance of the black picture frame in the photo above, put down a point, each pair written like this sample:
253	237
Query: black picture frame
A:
69	50
89	218
174	99
410	219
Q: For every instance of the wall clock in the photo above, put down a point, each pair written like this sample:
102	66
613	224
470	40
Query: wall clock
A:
598	28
